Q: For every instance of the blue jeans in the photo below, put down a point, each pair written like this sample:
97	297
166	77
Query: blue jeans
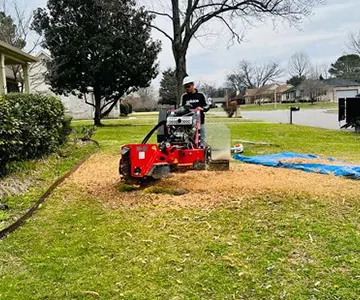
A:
202	133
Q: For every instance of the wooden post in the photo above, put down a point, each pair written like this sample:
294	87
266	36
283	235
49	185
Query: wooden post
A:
26	78
3	89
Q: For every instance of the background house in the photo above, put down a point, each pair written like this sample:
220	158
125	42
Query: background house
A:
74	106
250	95
218	101
291	94
280	96
341	88
266	93
323	90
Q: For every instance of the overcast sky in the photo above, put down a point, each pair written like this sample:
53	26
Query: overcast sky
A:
322	36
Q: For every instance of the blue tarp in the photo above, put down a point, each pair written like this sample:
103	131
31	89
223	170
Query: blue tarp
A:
277	160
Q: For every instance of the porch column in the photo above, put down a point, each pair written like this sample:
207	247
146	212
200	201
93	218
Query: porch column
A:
3	89
26	78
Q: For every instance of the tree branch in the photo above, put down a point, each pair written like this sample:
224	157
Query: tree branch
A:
162	31
104	114
107	103
354	42
234	34
160	14
91	104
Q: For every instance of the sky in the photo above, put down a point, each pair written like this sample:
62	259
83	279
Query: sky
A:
322	36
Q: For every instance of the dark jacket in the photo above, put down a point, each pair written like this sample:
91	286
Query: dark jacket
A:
195	100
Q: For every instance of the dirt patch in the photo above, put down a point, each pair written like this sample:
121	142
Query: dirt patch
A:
99	177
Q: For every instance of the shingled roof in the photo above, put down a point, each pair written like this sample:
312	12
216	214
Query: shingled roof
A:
340	82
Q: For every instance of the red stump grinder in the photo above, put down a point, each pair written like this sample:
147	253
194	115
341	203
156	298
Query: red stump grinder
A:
178	148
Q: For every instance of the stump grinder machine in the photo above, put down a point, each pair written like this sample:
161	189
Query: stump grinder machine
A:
178	148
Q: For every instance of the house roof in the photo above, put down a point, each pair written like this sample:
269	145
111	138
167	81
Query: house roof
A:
43	54
267	89
340	82
251	92
291	89
14	55
282	88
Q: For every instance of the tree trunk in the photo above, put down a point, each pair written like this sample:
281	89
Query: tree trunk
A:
97	117
179	50
180	73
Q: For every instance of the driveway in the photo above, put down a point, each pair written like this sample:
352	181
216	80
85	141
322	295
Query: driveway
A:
309	117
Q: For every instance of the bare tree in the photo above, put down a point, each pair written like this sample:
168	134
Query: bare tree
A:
353	43
300	65
249	75
148	98
189	16
313	89
208	89
320	71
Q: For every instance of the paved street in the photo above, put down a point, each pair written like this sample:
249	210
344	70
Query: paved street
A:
314	117
309	117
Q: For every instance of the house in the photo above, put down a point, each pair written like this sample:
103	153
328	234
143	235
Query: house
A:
322	90
290	95
11	57
341	88
218	102
280	96
74	106
250	95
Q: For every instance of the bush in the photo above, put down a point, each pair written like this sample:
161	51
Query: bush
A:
124	110
130	108
31	125
146	109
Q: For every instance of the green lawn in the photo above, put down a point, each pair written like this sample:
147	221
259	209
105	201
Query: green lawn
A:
36	176
271	247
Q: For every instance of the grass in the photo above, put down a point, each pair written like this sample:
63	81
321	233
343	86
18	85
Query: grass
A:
273	247
338	144
38	175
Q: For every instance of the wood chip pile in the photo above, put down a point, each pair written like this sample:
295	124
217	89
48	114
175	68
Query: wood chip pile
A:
99	177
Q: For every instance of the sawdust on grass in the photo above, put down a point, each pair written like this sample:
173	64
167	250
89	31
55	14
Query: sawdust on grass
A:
99	177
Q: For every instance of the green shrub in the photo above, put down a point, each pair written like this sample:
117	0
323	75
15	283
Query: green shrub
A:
31	125
124	109
130	108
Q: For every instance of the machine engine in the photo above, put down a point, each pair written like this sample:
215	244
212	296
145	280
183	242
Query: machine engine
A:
182	130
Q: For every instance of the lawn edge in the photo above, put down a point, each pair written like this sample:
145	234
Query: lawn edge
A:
20	221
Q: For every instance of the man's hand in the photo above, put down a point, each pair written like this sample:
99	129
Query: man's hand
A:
199	108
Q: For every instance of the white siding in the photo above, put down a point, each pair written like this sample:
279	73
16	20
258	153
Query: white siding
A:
74	106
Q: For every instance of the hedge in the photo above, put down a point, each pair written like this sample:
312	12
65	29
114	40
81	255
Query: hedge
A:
130	108
125	109
31	125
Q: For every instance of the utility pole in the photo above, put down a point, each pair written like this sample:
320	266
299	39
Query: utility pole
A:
275	96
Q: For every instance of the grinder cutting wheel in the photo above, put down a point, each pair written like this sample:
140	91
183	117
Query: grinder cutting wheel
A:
181	142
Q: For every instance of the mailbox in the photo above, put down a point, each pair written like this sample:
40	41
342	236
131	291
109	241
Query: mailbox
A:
293	108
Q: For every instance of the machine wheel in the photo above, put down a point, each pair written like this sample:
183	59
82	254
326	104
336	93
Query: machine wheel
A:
125	169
